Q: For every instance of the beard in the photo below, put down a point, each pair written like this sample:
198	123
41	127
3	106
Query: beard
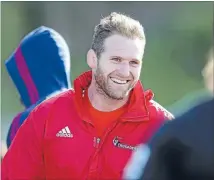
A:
106	88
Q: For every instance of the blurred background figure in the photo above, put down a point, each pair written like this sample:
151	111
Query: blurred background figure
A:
199	96
176	43
39	68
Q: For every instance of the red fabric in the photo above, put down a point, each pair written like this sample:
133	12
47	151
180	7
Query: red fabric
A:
102	120
37	152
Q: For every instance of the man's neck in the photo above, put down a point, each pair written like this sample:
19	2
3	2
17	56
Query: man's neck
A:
101	102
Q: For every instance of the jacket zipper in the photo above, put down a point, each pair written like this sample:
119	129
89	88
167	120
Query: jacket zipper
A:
96	142
97	145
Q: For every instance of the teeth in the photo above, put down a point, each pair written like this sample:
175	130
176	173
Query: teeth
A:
119	81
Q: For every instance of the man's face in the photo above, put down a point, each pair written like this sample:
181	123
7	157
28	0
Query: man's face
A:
119	66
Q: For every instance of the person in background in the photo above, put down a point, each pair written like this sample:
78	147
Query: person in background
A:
91	131
182	149
208	72
39	68
192	99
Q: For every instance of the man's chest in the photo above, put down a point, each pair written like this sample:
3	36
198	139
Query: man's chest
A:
74	150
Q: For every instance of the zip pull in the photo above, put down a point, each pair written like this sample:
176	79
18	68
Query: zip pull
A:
96	142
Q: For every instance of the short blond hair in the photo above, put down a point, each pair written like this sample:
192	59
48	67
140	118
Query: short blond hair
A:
115	23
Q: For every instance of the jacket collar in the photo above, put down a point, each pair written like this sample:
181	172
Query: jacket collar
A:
137	109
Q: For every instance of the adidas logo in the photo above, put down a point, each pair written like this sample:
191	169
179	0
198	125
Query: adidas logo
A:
65	132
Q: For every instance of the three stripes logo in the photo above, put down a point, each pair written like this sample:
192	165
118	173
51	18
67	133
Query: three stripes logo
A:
65	132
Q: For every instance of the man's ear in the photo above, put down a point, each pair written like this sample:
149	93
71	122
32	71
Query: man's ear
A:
92	59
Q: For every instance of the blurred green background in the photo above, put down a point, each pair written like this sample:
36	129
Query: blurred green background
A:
178	34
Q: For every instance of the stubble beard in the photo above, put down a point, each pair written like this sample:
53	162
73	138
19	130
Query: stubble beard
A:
104	89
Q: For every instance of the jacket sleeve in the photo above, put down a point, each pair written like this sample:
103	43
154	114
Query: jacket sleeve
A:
146	153
163	113
24	158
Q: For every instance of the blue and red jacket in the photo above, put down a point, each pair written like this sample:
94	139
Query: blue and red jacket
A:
39	68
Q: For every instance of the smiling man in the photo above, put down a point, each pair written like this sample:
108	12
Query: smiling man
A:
91	131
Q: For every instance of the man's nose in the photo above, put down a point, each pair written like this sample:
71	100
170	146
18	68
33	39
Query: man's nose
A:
125	69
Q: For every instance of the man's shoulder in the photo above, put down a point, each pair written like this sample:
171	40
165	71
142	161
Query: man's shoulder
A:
65	94
60	100
160	111
200	115
62	96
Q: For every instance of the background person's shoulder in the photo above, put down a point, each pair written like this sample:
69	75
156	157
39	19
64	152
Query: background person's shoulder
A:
200	113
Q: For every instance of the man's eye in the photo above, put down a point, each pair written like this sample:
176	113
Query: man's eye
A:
133	62
116	59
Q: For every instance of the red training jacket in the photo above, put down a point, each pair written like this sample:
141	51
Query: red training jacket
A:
58	140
